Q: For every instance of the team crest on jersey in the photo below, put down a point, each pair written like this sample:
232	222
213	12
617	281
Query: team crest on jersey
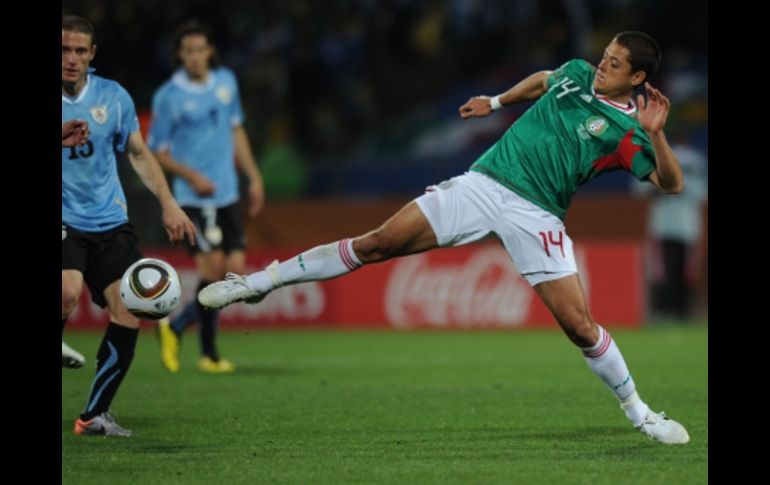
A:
99	114
596	125
224	94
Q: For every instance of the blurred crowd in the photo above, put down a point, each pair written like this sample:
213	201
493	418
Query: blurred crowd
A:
359	97
341	92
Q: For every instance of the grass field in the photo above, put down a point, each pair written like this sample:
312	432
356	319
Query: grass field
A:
393	407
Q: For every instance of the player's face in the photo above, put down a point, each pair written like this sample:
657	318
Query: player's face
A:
195	53
613	74
77	52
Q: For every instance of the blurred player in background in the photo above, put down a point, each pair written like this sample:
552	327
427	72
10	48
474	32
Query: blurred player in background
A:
197	135
98	243
585	122
675	228
73	133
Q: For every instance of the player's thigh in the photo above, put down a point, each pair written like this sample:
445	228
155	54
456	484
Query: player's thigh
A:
74	258
109	258
71	287
564	297
566	300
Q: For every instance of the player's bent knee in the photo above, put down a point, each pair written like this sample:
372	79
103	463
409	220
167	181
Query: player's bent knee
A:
584	333
374	247
69	298
579	327
123	317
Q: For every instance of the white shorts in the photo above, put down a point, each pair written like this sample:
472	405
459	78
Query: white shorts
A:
471	206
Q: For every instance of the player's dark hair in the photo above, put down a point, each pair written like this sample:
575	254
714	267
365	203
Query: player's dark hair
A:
73	23
644	52
193	27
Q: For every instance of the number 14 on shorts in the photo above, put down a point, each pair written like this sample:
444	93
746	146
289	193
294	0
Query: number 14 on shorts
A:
548	238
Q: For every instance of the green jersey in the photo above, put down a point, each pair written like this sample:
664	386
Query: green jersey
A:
568	137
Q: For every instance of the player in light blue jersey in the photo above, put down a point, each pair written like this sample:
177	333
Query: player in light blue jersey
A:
98	243
73	133
197	134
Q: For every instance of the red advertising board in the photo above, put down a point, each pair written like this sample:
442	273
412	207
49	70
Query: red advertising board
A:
472	286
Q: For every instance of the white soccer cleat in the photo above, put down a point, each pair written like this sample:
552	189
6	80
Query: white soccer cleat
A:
230	290
70	357
661	428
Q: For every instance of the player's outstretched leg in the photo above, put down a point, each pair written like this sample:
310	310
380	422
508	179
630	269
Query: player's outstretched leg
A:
406	232
235	288
566	300
606	361
320	263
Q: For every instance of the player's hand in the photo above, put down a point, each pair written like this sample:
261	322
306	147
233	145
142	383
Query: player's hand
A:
177	224
653	114
202	185
476	107
256	198
74	133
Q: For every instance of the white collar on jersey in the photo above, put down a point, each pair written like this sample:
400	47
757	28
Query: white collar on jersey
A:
181	79
68	99
630	109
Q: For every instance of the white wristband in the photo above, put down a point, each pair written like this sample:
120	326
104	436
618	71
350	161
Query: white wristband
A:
495	103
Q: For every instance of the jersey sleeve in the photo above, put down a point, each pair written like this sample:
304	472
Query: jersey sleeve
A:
159	135
643	162
236	109
128	122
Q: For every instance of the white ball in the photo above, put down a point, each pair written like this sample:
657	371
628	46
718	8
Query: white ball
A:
150	289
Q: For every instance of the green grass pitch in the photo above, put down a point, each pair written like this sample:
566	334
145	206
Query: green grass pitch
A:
310	406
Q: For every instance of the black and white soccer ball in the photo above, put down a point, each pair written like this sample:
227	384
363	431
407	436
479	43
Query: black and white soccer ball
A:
150	289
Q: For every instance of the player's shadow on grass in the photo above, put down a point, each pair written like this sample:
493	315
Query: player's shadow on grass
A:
525	435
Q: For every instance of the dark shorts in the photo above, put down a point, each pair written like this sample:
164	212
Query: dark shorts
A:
217	228
102	257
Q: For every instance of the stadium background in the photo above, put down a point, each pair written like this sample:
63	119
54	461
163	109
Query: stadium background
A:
352	105
352	108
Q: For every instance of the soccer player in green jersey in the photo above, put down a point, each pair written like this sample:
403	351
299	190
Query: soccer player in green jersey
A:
585	122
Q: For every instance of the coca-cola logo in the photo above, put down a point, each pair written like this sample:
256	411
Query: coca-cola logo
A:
486	290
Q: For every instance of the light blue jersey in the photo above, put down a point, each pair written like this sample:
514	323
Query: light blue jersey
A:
194	122
92	198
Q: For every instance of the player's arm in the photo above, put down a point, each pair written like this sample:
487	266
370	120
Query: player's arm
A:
199	182
245	159
528	89
652	115
145	165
